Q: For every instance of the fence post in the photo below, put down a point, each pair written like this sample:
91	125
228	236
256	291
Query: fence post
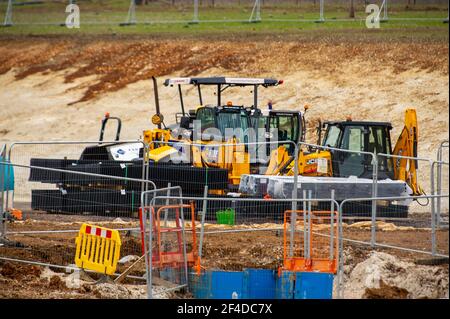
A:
8	15
147	248
2	188
332	226
433	212
439	182
305	237
294	201
308	256
373	226
321	18
131	17
167	204
439	185
195	18
340	254
202	227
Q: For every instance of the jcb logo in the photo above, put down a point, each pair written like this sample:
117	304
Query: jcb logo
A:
73	19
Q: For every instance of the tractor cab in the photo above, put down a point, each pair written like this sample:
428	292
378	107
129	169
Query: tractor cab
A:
372	137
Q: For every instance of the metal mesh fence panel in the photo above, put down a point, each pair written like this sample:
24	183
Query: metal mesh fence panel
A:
34	12
240	249
347	173
71	178
53	197
416	234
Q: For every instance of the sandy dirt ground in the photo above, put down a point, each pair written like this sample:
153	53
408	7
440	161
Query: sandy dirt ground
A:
381	273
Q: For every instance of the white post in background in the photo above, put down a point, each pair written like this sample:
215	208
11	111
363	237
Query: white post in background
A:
195	19
384	8
131	17
8	16
321	11
256	12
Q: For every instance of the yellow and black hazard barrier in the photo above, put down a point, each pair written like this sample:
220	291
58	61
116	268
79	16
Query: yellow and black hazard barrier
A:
98	249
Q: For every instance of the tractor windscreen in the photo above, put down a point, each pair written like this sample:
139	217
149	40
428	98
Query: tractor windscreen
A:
287	127
233	123
332	137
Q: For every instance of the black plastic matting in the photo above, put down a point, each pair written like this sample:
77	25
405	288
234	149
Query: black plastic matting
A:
192	178
104	201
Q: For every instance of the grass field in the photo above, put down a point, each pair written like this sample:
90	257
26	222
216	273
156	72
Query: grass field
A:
104	17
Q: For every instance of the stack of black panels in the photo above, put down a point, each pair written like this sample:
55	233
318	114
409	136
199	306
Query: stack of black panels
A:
96	201
80	193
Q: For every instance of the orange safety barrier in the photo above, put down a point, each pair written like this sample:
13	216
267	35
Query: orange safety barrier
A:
162	258
318	261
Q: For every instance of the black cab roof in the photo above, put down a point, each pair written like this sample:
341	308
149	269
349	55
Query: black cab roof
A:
358	123
222	81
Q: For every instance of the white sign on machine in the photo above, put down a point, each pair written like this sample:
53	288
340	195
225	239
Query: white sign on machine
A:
125	152
322	166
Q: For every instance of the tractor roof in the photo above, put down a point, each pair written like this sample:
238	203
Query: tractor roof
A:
359	123
222	81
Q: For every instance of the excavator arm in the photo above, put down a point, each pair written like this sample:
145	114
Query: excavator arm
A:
406	169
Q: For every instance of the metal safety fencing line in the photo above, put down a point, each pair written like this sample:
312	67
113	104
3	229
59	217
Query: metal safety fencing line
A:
33	237
90	156
223	227
423	224
248	181
360	171
259	152
84	196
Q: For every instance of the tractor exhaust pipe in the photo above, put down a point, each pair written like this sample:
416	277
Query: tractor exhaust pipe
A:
155	89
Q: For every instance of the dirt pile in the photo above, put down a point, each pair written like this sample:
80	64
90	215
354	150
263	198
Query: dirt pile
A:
117	63
382	275
385	292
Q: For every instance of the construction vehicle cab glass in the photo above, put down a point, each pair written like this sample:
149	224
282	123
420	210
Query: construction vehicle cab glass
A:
356	136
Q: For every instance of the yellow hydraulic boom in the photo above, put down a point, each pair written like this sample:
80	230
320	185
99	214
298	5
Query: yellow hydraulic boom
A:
406	169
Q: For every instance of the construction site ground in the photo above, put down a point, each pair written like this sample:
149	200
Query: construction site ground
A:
59	87
225	251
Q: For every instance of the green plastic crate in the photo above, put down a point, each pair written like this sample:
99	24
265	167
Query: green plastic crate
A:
226	217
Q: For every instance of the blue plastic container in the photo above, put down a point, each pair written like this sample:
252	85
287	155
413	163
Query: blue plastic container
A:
285	285
261	284
313	285
6	177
